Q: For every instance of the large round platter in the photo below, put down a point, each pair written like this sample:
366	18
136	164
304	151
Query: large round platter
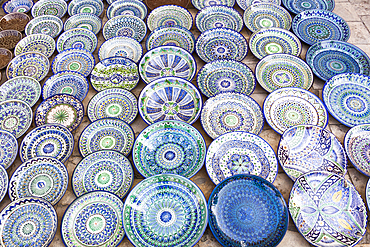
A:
46	24
106	133
105	170
268	41
8	150
228	112
170	15
113	102
94	219
283	70
74	59
121	47
166	61
67	82
56	8
4	182
287	107
170	98
242	209
114	72
84	20
330	58
316	25
298	6
330	206
95	7
306	148
127	7
15	117
221	43
244	4
201	4
80	38
223	76
32	64
62	109
125	25
42	43
165	205
175	35
22	88
29	221
169	147
240	153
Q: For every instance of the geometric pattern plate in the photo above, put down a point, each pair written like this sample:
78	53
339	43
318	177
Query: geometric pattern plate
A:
125	25
95	7
15	117
57	8
169	15
42	43
298	6
84	20
121	46
8	149
4	181
127	7
45	24
201	4
80	38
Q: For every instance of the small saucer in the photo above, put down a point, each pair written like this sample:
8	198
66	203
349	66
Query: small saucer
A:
45	24
15	117
79	38
74	59
121	47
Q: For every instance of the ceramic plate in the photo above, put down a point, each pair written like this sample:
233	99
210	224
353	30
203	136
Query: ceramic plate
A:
17	6
244	4
330	58
268	41
57	8
84	20
167	61
114	72
240	153
165	205
329	206
106	133
62	109
218	16
80	38
32	64
27	221
74	59
15	117
66	82
221	43
42	43
22	88
127	7
125	25
170	98
94	219
4	181
121	47
201	4
298	6
113	102
8	151
223	76
169	15
283	70
228	112
95	7
48	140
246	210
46	24
175	36
288	107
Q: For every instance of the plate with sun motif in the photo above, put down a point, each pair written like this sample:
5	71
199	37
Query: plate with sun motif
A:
15	117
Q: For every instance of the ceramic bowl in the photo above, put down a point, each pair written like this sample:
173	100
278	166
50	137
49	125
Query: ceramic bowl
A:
45	24
9	38
169	15
95	7
42	43
5	57
79	38
127	7
22	6
122	47
57	8
125	25
84	20
14	21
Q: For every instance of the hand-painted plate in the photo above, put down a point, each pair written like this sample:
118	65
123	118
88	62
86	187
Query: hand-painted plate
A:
127	7
218	16
244	4
17	6
162	206
15	117
288	107
298	6
121	47
169	15
95	7
45	24
125	25
4	180
201	4
42	43
56	8
80	38
74	59
84	20
8	150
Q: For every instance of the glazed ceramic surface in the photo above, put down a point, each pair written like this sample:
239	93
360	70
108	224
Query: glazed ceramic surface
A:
46	24
57	8
244	4
8	151
74	59
127	7
7	21
17	6
15	117
169	15
32	64
298	6
201	4
95	7
217	17
80	38
42	43
125	25
121	47
84	20
4	181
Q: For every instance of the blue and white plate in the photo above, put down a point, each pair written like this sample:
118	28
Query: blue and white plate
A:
169	15
74	59
80	38
42	43
4	180
45	24
127	7
8	151
17	6
95	7
125	25
57	8
15	117
244	4
84	20
201	4
121	47
298	6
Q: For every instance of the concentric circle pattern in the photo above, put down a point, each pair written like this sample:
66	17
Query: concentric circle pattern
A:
15	117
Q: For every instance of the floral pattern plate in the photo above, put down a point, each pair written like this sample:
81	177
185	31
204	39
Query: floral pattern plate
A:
244	4
80	38
95	7
125	25
201	4
56	8
8	153
298	6
84	20
15	117
74	59
121	47
127	7
4	181
45	24
169	15
42	43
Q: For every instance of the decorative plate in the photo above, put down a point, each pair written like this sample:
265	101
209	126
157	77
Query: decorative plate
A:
66	82
266	15
32	64
221	43
288	107
244	4
15	117
218	16
121	47
84	20
167	61
17	6
103	170
170	98
201	4
4	180
57	8
114	72
306	148
8	152
80	38
228	112
246	210
327	210
95	7
169	15
125	25
29	221
223	76
113	102
22	88
283	70
175	36
48	140
94	219
298	6
42	43
272	40
62	109
240	152
162	206
44	177
74	59
127	7
45	24
330	58
106	133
